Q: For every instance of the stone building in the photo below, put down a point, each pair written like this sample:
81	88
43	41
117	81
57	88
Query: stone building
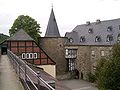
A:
80	49
54	44
92	41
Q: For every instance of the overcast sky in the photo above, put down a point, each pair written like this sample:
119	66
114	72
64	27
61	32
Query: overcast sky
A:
68	13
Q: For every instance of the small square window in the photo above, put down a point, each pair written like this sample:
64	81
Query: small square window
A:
102	53
93	53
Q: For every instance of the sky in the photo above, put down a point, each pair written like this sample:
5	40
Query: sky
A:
68	13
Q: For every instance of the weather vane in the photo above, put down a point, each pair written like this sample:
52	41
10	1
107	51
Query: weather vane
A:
52	5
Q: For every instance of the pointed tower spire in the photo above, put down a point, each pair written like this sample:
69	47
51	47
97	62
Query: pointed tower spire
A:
52	28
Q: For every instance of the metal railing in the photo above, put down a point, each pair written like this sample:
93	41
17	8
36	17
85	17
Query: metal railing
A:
31	80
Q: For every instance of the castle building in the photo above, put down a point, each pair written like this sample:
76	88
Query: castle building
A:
81	48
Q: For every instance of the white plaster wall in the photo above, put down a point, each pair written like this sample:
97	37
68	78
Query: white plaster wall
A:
50	69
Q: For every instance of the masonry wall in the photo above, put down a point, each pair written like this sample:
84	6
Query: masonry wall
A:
86	60
56	50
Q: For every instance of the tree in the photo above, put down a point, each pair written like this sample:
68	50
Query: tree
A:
3	37
28	24
108	76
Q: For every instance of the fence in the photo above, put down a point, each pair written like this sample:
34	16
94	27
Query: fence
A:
31	80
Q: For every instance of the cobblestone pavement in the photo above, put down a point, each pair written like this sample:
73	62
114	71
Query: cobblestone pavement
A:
78	85
8	77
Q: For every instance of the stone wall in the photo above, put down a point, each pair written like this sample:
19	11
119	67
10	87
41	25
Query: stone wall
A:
55	49
87	57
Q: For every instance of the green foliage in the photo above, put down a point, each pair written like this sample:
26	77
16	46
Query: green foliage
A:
28	24
91	77
3	37
108	72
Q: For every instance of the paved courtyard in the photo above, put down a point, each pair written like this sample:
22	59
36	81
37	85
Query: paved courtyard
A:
78	85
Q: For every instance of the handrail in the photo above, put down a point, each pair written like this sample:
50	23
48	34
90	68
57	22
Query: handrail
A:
29	77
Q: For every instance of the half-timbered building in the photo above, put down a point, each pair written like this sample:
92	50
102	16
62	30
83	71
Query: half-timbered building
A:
27	49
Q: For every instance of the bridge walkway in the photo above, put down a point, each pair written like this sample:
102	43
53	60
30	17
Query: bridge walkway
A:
8	77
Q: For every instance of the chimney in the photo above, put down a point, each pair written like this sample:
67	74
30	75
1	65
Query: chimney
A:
98	21
88	23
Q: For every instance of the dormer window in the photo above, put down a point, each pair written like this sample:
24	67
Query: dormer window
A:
90	30
109	28
97	39
70	40
82	39
109	38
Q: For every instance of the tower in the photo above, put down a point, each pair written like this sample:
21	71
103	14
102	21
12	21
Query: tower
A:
52	28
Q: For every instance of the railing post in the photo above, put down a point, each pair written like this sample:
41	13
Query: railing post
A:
38	75
25	74
19	70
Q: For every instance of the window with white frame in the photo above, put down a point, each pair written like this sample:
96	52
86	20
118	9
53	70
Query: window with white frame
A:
66	52
23	55
35	56
71	64
29	55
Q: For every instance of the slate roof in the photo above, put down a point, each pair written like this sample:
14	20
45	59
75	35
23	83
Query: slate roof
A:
96	33
21	35
52	28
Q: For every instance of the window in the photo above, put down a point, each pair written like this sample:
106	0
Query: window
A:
82	39
71	64
97	39
27	56
102	53
70	40
35	56
90	30
109	38
30	55
109	28
66	51
93	53
23	56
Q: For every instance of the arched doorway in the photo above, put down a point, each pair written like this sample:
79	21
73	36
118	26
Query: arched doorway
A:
76	74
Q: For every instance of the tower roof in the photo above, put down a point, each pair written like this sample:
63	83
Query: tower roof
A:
20	35
52	28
